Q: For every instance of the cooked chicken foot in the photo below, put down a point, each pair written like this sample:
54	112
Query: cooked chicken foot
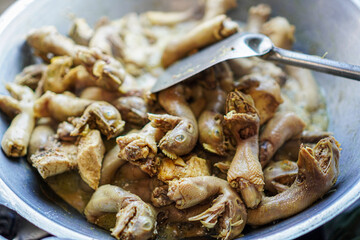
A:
31	75
54	77
211	134
282	127
245	173
318	171
19	106
38	139
181	131
81	32
215	8
280	31
206	33
107	38
133	109
102	116
109	72
168	18
309	92
257	16
134	219
110	165
47	40
60	106
227	213
279	176
141	148
265	92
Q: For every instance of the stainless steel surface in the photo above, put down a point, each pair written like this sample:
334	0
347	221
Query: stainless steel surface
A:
239	45
314	63
321	27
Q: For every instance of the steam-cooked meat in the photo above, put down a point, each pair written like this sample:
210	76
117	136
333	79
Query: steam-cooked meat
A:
227	213
181	126
19	106
60	106
56	157
245	173
102	116
134	218
206	33
318	171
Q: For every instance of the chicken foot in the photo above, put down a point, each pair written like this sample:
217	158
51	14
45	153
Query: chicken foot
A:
181	126
318	171
211	134
227	213
102	116
245	173
19	106
282	127
134	219
141	148
206	33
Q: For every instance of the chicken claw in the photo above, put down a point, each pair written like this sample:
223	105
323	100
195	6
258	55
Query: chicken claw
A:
206	33
109	72
47	40
245	173
279	176
134	219
282	127
211	134
102	116
19	106
141	148
265	91
227	213
133	109
280	31
60	106
318	172
257	16
181	126
215	8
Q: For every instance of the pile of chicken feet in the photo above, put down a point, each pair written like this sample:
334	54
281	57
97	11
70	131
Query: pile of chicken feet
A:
243	142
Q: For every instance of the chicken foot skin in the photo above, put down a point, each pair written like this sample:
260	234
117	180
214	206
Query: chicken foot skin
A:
206	33
60	106
211	134
16	138
102	116
279	176
227	213
245	173
181	126
141	148
318	172
257	16
282	127
134	219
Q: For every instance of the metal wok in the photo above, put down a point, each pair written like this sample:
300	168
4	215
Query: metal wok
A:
322	26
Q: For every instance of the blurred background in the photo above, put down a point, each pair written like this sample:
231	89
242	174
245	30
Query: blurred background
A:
4	4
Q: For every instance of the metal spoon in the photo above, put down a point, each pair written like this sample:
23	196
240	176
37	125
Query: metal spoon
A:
242	45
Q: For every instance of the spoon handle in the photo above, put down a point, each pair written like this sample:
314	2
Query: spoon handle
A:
314	63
